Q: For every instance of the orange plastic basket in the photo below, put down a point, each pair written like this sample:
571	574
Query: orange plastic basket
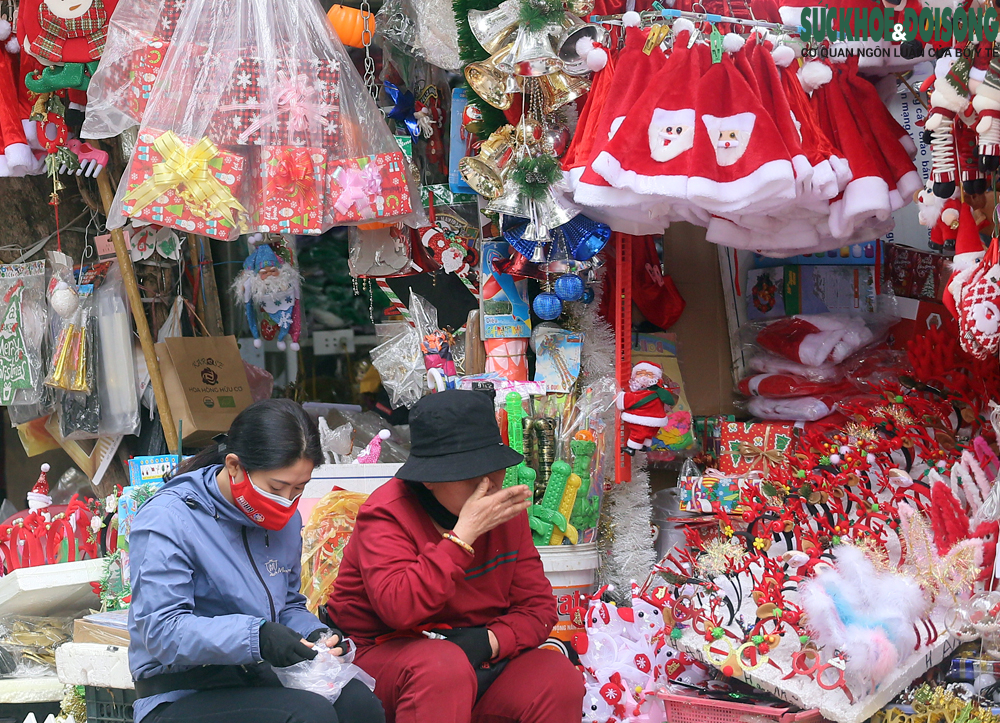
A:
696	708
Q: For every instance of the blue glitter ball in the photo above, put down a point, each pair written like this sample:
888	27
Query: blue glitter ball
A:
547	306
588	295
569	287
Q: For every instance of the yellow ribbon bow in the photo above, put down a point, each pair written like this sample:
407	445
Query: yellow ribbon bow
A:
756	454
185	169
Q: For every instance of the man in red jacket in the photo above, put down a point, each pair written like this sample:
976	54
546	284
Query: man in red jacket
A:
441	586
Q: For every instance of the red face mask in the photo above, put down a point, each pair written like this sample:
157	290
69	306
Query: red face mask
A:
270	511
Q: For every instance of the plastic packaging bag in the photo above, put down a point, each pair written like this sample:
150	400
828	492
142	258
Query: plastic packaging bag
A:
324	538
118	387
30	643
798	409
326	674
766	363
23	328
261	123
400	364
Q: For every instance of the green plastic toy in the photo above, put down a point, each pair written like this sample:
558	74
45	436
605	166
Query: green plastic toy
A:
587	507
75	76
543	517
521	474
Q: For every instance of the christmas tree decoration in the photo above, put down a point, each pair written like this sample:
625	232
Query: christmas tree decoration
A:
547	306
569	287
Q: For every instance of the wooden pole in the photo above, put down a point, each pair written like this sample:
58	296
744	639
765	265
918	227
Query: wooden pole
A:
210	289
139	314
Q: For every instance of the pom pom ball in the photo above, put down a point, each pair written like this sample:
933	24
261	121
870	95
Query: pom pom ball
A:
5	28
257	343
783	56
732	43
45	467
12	46
547	306
814	74
683	25
597	59
631	19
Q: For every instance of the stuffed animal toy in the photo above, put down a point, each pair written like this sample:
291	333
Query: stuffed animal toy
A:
645	405
269	289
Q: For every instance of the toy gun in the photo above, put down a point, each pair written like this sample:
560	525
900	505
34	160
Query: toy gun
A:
520	474
566	505
587	507
544	517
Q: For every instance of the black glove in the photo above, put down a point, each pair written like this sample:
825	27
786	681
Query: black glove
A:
281	646
474	642
316	635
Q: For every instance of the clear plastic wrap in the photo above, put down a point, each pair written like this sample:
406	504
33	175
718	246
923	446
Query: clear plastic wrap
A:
258	121
22	331
30	643
818	340
798	409
400	364
765	363
326	674
119	394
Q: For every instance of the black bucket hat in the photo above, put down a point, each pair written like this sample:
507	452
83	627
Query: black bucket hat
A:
454	436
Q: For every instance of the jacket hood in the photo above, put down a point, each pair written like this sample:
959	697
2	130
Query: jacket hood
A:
202	486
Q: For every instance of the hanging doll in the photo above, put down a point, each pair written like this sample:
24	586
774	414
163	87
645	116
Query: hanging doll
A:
948	100
645	405
269	287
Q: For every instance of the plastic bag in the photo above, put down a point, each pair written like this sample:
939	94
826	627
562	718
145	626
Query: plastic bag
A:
31	642
118	386
326	674
798	409
324	538
23	327
400	364
261	123
766	363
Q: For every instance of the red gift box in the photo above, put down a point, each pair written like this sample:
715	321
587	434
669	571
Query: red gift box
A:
304	108
195	188
755	446
367	188
144	68
289	189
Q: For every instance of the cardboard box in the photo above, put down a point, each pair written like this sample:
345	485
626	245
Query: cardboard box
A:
206	384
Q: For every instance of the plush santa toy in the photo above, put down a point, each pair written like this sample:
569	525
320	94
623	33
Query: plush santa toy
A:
269	289
645	405
941	216
38	498
949	99
968	253
986	103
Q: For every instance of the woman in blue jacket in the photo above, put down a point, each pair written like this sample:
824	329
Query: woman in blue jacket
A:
215	566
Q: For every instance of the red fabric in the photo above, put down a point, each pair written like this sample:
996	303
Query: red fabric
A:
419	681
413	578
784	337
784	386
586	127
655	294
815	142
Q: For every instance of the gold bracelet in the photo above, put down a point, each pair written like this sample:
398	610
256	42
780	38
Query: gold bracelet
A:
461	543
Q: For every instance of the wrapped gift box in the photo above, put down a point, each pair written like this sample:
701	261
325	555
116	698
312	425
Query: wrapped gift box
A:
144	68
306	106
289	187
754	446
173	203
699	492
367	188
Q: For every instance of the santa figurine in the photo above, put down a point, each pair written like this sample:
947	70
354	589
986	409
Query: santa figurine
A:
645	405
38	498
269	287
969	252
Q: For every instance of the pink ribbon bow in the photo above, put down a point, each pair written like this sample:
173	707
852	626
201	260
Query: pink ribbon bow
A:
357	185
294	95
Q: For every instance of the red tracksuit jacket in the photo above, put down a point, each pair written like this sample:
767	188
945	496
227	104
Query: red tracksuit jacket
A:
399	574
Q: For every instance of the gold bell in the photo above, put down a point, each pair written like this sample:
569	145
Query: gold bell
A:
558	89
573	29
482	176
533	53
490	81
493	28
580	8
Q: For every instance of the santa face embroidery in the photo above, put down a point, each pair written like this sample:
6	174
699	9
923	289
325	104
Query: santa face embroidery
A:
671	132
730	134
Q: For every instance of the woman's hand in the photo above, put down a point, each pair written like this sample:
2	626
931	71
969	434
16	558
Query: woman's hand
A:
281	646
328	638
483	511
494	645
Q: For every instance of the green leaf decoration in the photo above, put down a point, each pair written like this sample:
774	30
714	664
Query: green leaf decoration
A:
536	14
533	176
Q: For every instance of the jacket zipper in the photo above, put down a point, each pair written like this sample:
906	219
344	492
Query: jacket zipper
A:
270	600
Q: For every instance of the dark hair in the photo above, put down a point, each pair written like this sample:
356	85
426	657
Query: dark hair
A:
269	434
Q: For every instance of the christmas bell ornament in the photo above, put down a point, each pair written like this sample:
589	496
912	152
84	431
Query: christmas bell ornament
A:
520	267
559	89
584	237
581	8
568	45
547	306
512	202
533	54
483	177
493	28
490	82
555	140
514	235
569	287
540	255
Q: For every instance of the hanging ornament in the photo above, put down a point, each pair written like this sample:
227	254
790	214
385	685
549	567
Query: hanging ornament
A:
555	140
588	295
584	237
404	108
569	287
547	306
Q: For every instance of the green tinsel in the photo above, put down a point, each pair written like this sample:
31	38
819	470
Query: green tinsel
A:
534	175
470	51
536	14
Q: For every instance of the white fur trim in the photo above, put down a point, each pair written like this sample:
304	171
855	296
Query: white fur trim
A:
754	383
683	25
653	369
791	16
644	421
863	198
977	74
945	96
943	64
732	43
633	445
814	74
19	156
631	19
909	184
620	401
773	180
783	56
908	145
4	28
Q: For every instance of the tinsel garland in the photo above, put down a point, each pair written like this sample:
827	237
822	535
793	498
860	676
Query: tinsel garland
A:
73	706
534	176
470	51
625	538
537	14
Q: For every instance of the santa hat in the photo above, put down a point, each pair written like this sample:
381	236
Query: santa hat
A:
38	498
980	64
969	252
815	339
655	369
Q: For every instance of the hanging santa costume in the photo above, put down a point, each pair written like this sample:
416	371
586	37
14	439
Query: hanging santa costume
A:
16	156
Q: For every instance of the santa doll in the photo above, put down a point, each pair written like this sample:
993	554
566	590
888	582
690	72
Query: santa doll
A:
969	252
645	405
269	287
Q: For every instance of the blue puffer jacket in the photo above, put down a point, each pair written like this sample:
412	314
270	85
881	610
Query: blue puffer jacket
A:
204	578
